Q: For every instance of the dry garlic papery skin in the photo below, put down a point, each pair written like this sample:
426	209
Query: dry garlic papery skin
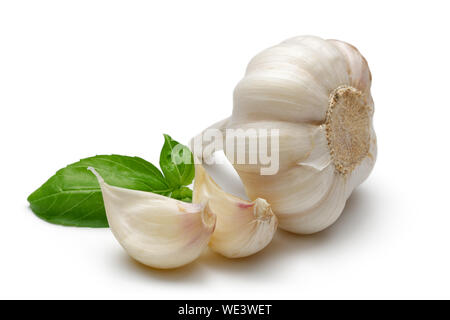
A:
317	93
155	230
243	227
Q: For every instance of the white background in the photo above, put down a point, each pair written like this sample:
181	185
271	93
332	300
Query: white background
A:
79	78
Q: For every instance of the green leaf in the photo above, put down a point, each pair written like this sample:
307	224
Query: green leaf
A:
177	163
183	194
72	197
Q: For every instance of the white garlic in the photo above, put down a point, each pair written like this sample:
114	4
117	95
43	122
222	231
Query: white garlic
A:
155	230
243	227
317	93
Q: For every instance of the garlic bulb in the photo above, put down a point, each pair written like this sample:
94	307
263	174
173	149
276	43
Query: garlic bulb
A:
317	93
155	230
243	228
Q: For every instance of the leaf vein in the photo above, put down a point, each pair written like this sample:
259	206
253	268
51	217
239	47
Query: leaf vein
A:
74	206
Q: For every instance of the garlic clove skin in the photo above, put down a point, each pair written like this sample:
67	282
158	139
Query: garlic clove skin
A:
157	231
317	93
319	216
359	73
243	227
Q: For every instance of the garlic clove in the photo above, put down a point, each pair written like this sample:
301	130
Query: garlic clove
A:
321	215
298	145
295	142
320	58
261	96
155	230
243	227
359	72
291	191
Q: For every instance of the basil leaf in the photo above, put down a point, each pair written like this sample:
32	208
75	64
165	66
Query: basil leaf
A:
183	194
177	163
72	197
